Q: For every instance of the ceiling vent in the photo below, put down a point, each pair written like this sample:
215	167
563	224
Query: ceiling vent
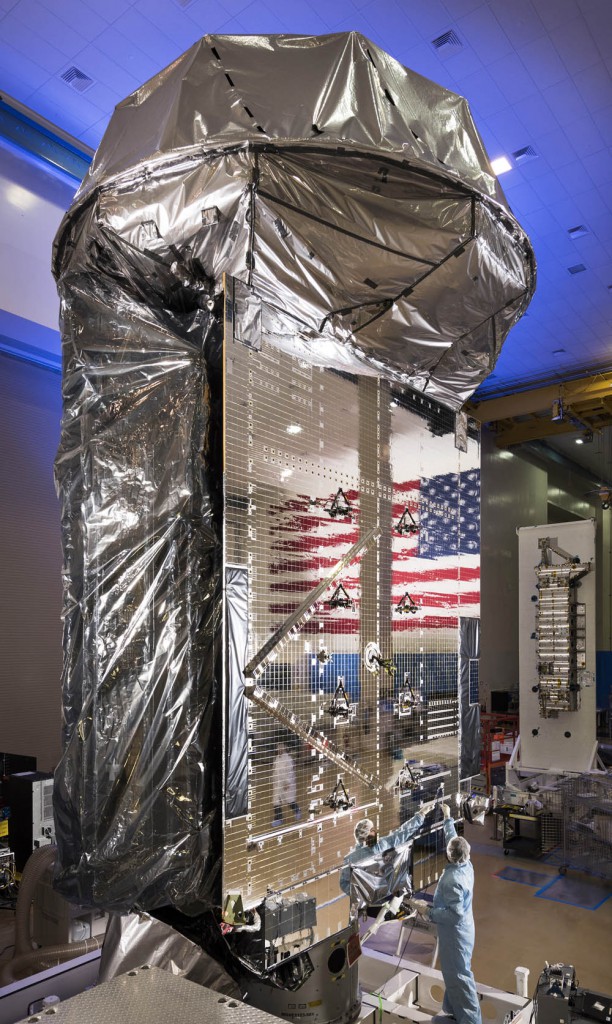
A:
77	79
577	268
524	155
447	44
578	231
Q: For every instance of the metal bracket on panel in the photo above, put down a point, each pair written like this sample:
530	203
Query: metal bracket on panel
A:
341	598
323	656
406	605
340	707
339	799
407	523
374	661
242	314
407	700
340	505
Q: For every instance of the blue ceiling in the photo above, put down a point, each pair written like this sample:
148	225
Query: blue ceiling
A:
537	74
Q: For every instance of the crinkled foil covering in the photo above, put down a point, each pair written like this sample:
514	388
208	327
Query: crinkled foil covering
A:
353	203
375	882
132	940
353	195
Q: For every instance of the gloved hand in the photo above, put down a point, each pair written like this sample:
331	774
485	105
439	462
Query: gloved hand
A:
422	906
446	810
427	807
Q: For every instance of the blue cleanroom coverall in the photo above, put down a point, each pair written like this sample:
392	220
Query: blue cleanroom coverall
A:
452	913
362	853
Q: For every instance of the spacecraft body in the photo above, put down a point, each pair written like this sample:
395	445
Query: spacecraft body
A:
288	267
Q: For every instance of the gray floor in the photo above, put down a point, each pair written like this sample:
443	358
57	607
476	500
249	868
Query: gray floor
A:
516	928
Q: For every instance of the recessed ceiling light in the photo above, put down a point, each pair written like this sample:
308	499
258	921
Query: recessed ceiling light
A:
286	473
294	428
578	231
500	165
579	440
577	268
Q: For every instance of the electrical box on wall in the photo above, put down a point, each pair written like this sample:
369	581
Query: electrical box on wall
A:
557	646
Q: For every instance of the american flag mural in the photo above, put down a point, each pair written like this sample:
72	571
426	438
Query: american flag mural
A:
435	566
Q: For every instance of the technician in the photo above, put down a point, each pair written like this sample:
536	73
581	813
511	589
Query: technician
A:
369	847
452	913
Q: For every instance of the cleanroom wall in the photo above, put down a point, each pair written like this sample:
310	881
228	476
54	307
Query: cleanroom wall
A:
31	560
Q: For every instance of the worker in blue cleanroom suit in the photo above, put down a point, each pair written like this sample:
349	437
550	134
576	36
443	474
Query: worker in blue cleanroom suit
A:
369	847
452	913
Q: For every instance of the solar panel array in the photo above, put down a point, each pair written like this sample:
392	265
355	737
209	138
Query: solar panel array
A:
356	521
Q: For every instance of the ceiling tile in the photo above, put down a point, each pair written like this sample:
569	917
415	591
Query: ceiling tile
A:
93	136
462	64
482	30
594	205
599	166
512	77
110	10
519	20
86	22
149	39
258	19
575	45
103	98
540	222
20	68
100	62
603	121
23	38
575	179
549	188
358	23
430	19
423	60
510	130
176	23
233	7
594	85
556	12
568	214
233	27
54	29
523	199
606	197
533	113
389	17
298	17
598	17
585	136
565	101
543	62
483	94
556	147
459	8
